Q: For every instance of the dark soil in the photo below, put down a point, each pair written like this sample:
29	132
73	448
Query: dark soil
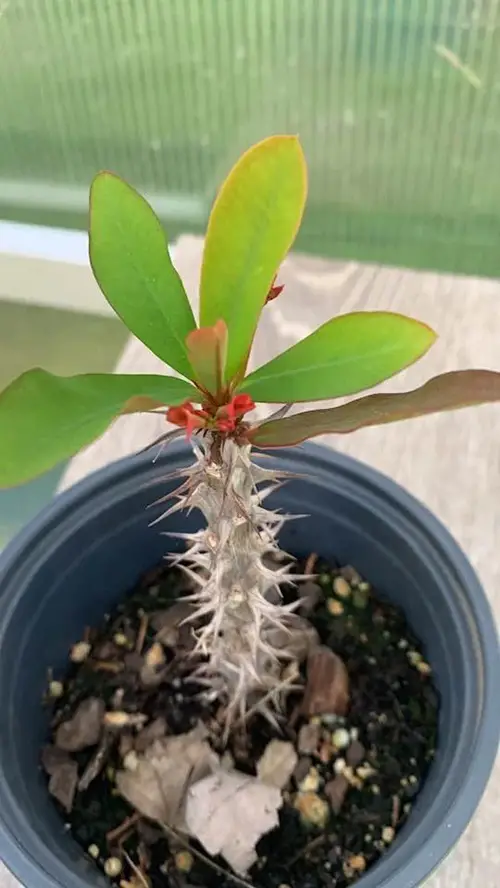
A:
391	728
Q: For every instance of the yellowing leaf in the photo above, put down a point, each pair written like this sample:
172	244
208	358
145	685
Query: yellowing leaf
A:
349	353
132	265
45	419
252	226
450	391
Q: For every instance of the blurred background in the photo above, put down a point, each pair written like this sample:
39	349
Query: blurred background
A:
397	103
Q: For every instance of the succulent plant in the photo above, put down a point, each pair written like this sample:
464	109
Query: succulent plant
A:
247	633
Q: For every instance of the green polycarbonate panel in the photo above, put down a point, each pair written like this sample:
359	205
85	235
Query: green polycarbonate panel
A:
397	103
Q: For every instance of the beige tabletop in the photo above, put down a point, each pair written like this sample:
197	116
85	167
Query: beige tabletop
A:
451	462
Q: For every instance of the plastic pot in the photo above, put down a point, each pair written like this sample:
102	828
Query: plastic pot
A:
76	559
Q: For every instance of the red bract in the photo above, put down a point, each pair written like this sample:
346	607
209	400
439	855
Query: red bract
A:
225	420
186	416
238	406
275	290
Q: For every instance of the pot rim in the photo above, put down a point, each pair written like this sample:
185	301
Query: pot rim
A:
392	870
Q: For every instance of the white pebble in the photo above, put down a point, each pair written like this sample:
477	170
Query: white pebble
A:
112	867
311	781
120	639
56	689
414	657
341	738
339	765
354	732
341	587
80	651
93	851
388	834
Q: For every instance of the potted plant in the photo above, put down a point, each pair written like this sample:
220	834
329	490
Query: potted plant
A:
239	717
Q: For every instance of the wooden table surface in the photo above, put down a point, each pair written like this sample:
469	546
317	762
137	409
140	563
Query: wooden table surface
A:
451	462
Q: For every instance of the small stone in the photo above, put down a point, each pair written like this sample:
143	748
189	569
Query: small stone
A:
341	587
184	861
112	867
155	656
357	863
325	580
311	781
327	685
402	644
414	657
303	767
375	789
365	771
388	834
56	689
341	738
339	766
93	850
120	719
354	732
312	809
310	595
277	763
120	639
335	791
412	780
334	607
350	574
355	754
308	738
424	668
80	651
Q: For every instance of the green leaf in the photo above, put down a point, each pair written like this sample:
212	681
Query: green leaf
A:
132	265
350	353
450	391
46	418
207	350
252	226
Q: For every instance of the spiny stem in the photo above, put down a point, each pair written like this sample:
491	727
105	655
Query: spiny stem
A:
241	625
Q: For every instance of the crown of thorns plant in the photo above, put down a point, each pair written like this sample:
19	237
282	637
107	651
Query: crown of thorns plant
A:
253	223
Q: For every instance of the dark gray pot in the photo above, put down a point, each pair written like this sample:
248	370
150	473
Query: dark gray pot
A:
75	560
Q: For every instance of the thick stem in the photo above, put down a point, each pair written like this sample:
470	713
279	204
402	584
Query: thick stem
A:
244	633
